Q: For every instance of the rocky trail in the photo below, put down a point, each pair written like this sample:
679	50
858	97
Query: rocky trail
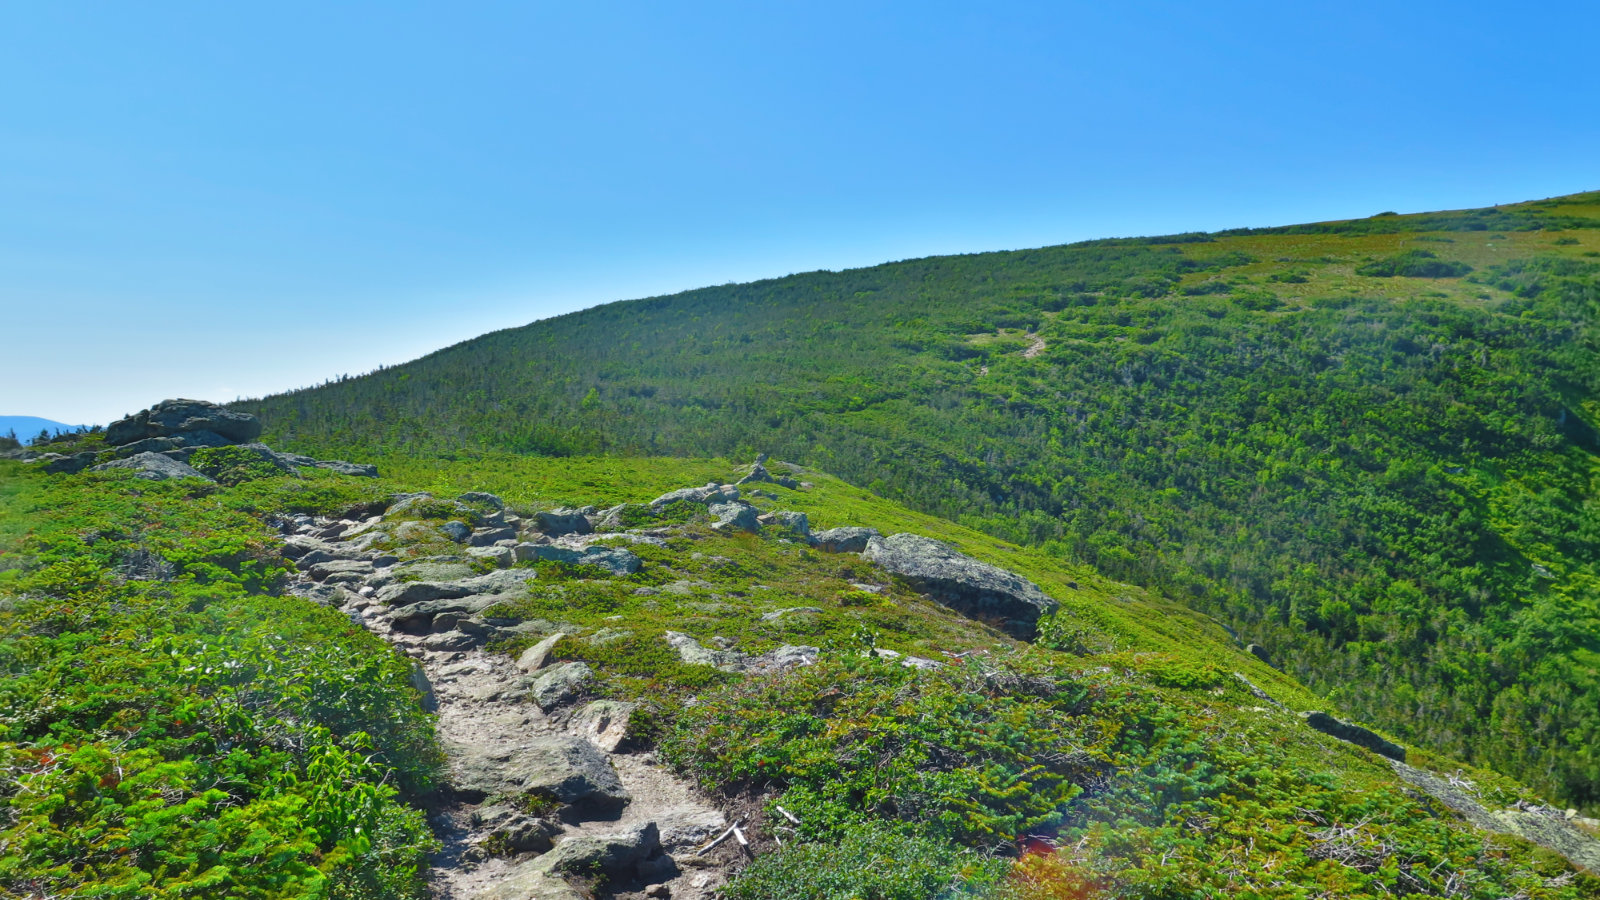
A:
535	795
544	796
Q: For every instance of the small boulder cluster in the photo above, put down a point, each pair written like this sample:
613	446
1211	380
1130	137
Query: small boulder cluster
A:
933	568
437	597
158	443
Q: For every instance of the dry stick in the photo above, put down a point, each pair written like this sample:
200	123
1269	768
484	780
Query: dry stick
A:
720	838
740	836
786	814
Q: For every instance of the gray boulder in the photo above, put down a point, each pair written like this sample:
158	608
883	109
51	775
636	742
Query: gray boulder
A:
340	571
530	881
571	770
1355	734
795	523
424	688
785	657
848	539
419	617
56	464
433	568
188	440
971	587
482	498
559	766
560	685
170	417
564	520
152	466
615	560
485	537
511	831
758	474
692	652
734	516
293	462
538	656
456	531
502	556
779	614
603	723
296	461
617	855
711	493
407	593
509	582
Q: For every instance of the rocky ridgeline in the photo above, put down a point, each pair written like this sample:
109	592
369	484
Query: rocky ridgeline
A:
543	783
158	443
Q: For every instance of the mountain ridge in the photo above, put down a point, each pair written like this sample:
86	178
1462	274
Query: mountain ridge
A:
1360	471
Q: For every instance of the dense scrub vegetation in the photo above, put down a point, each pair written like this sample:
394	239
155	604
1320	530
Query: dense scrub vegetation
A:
171	728
1385	479
1115	773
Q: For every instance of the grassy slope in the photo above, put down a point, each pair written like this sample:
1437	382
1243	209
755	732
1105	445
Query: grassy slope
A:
1372	476
1142	754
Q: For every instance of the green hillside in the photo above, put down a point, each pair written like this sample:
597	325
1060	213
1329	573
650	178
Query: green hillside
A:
177	722
1369	446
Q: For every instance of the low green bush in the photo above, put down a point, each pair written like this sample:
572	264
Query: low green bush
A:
1413	264
870	861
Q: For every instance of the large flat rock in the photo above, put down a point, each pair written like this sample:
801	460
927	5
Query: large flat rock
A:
972	588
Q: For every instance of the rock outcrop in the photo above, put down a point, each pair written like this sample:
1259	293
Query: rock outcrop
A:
971	587
185	417
153	466
1355	734
173	430
847	539
1549	828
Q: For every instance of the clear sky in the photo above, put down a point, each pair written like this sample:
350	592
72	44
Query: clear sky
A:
223	199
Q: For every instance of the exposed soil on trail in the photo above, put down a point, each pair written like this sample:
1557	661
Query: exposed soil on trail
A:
486	719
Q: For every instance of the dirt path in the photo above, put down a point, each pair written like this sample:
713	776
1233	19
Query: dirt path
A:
489	729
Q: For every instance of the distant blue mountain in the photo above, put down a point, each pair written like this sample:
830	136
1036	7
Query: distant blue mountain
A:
28	427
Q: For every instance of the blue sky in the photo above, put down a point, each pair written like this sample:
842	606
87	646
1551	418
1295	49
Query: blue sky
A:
211	200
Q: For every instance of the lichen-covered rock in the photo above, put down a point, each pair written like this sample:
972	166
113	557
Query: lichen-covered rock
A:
188	440
563	520
509	582
603	723
71	464
617	854
530	881
153	466
503	556
482	498
971	587
796	523
538	656
511	831
615	560
560	685
419	617
711	493
734	516
846	539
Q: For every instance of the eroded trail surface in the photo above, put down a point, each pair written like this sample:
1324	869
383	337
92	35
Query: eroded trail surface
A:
540	803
